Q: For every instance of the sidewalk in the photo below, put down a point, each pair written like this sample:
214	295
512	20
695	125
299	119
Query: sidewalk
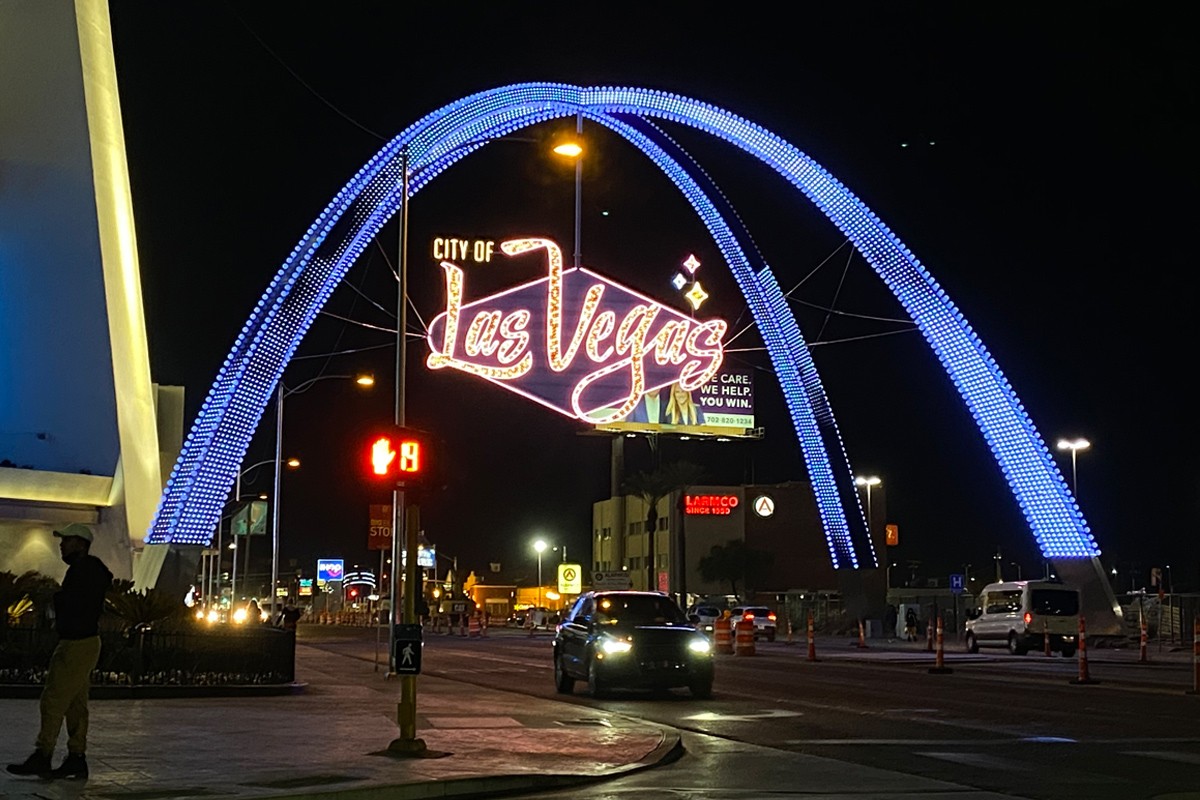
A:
335	730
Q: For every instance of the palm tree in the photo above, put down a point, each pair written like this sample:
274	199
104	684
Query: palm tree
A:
654	486
733	562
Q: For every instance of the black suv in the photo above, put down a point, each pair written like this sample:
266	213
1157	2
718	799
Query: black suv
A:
631	640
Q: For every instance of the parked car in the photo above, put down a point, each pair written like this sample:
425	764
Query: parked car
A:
1020	615
762	617
630	640
703	617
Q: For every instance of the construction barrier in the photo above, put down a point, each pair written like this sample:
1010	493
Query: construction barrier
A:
1196	656
1084	677
1142	656
462	624
483	626
939	664
789	640
1046	638
812	639
722	637
929	636
474	628
744	641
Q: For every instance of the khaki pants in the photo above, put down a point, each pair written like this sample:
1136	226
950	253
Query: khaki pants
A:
66	694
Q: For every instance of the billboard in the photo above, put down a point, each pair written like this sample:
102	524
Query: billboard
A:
722	407
330	570
250	519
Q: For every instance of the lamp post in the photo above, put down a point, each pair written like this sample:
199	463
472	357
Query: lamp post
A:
282	392
573	149
540	546
237	496
868	481
1074	445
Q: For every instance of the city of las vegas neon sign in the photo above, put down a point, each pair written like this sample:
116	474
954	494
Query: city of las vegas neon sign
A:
574	341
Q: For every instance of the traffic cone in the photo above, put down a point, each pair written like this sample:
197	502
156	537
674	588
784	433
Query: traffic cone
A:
939	665
1195	656
1083	665
789	633
812	640
1142	657
862	635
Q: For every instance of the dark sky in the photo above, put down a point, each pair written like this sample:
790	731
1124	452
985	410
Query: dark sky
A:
1041	164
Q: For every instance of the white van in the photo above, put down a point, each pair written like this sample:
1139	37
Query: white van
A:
1019	614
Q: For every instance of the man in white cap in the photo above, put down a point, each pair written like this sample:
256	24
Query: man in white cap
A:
77	608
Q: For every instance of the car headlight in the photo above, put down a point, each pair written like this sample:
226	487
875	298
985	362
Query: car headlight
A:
614	646
700	645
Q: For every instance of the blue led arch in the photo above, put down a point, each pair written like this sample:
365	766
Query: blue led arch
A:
208	464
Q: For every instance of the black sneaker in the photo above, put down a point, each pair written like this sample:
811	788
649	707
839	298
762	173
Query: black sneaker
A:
37	764
73	766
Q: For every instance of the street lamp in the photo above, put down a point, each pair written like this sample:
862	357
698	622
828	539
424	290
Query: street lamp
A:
868	481
1074	445
573	149
292	463
282	391
540	546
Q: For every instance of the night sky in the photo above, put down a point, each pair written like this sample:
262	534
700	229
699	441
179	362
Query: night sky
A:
1041	165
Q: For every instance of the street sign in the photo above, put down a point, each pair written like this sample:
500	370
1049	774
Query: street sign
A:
957	583
379	536
892	535
570	579
408	649
616	580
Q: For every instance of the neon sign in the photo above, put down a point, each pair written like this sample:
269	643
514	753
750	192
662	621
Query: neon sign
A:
717	505
599	348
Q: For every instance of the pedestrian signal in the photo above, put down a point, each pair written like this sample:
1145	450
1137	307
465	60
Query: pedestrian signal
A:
398	455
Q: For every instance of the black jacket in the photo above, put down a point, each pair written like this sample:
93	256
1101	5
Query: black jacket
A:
80	601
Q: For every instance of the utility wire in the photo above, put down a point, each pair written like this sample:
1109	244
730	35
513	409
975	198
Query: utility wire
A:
300	80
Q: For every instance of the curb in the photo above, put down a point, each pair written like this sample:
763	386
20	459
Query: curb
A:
669	749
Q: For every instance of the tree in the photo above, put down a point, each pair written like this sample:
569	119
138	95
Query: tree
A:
734	562
654	486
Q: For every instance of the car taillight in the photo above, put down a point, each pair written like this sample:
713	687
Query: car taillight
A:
771	617
1028	618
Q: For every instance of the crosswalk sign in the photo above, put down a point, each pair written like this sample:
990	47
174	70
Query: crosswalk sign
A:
408	650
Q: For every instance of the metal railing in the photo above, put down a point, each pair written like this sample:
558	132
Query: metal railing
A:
142	656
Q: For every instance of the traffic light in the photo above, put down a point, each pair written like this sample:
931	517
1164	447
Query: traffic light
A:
398	455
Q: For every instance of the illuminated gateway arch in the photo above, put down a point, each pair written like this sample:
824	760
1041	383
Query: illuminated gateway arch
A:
207	467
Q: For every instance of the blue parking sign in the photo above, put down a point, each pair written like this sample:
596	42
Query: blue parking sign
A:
957	583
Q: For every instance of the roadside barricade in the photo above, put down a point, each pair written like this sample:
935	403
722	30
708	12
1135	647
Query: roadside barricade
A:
722	636
474	628
744	641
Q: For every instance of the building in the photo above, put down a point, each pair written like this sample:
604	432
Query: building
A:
780	520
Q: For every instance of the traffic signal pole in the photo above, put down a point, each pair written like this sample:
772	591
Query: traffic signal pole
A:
406	709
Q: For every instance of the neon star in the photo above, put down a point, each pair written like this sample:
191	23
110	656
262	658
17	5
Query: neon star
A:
696	296
692	264
679	281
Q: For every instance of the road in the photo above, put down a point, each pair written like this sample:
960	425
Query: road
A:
1015	725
